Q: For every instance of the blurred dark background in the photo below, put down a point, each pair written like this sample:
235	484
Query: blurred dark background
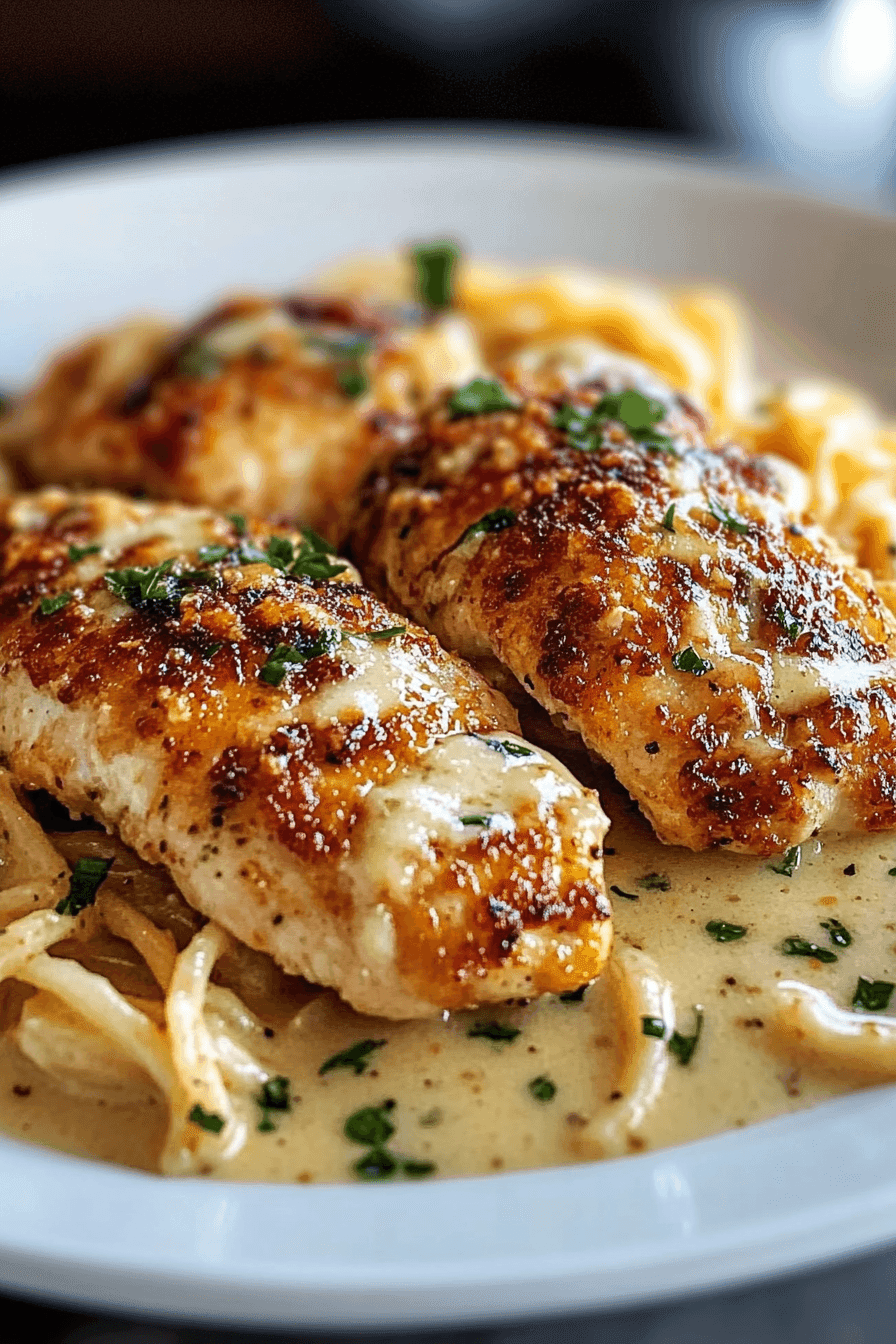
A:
808	86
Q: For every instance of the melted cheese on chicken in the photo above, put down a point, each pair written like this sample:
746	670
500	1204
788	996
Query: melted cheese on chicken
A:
327	784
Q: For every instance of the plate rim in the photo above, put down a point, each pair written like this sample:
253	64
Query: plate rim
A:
205	1290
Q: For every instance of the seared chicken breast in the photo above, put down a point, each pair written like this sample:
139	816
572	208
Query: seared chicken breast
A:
318	776
570	524
261	406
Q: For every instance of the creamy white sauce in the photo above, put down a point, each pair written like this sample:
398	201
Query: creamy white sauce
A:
465	1103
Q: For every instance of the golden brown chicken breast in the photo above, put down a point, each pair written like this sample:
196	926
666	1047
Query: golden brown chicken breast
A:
570	523
319	777
261	406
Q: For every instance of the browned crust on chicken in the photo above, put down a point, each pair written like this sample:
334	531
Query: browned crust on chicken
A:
260	406
318	817
620	560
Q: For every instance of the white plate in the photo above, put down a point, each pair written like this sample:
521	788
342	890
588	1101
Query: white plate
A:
169	229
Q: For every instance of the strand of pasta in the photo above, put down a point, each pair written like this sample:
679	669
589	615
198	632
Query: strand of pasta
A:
809	1021
28	936
99	1002
156	946
638	990
195	1060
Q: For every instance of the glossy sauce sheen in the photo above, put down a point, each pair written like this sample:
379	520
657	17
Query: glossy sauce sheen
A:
465	1103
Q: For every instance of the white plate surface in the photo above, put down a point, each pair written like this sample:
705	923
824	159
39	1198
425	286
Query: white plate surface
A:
88	242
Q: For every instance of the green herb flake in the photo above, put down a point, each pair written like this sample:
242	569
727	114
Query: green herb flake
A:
274	1094
48	606
482	396
654	882
435	265
872	996
198	361
801	947
653	1026
356	1057
626	895
891	872
143	583
669	519
837	932
788	862
727	518
542	1089
723	932
496	521
238	522
791	627
206	1120
212	650
76	553
88	875
370	1125
353	381
500	1032
210	555
688	660
380	636
574	995
476	819
415	1169
507	748
289	655
377	1165
683	1047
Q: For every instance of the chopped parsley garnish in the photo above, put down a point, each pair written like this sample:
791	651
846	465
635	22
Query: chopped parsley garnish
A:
542	1088
377	1165
290	655
654	882
212	650
801	947
501	1032
891	872
669	519
198	360
507	748
679	1045
482	396
145	584
207	1120
683	1047
274	1096
788	862
48	606
76	553
476	819
635	412
88	875
239	523
872	995
723	932
414	1168
727	518
356	1057
371	1125
574	995
626	895
837	932
210	555
496	521
308	560
788	623
435	265
379	636
353	381
688	660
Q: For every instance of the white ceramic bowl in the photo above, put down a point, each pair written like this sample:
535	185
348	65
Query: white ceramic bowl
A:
170	229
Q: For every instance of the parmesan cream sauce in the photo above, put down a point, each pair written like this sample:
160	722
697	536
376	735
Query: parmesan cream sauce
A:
464	1102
